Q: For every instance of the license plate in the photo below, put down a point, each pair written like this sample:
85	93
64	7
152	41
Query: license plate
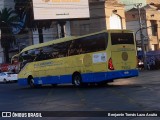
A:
126	72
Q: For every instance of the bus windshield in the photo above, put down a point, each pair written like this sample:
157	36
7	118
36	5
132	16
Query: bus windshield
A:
15	59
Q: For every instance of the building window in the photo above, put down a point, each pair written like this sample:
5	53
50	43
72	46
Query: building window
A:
133	16
115	22
153	27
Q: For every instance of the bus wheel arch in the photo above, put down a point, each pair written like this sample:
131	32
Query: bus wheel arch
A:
77	79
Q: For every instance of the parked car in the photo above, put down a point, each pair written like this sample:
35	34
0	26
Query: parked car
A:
8	77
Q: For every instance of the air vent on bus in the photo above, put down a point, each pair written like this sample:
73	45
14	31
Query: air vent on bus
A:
110	64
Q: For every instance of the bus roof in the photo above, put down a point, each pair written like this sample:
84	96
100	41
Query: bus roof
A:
48	43
68	39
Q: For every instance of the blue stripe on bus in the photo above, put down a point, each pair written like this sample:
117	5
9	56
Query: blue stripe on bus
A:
87	77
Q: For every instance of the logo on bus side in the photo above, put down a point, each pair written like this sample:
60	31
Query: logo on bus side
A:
125	56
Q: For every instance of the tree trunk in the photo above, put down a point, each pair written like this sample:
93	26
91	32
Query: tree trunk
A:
40	32
6	55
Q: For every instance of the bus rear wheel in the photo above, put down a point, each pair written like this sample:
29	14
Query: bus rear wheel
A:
77	80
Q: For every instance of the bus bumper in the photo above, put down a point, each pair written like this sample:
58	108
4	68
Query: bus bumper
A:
123	74
109	76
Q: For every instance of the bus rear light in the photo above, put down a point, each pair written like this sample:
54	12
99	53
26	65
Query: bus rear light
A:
110	64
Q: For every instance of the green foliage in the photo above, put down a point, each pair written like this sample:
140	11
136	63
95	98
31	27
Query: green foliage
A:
24	8
8	20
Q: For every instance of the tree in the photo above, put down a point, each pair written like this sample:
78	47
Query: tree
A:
24	8
8	20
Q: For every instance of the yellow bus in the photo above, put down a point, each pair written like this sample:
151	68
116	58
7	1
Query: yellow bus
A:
94	58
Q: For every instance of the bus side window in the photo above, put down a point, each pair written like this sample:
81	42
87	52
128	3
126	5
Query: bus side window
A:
54	54
47	52
48	56
63	49
73	48
25	58
93	43
40	56
80	49
43	53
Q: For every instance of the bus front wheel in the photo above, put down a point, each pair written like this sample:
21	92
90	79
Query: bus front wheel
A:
5	81
77	79
31	82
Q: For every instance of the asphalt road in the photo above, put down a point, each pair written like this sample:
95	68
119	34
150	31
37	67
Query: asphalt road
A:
133	94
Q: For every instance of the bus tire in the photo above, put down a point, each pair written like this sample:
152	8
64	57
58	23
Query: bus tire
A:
77	79
31	83
5	81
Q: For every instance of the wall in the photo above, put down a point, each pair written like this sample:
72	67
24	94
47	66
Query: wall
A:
48	34
148	13
119	11
134	25
9	3
100	13
95	23
1	4
153	1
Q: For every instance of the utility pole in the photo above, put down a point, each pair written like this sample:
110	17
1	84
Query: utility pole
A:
141	35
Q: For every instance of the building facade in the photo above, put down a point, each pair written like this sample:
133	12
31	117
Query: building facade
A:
103	15
150	16
129	4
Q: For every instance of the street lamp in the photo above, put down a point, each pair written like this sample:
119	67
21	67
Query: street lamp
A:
141	34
